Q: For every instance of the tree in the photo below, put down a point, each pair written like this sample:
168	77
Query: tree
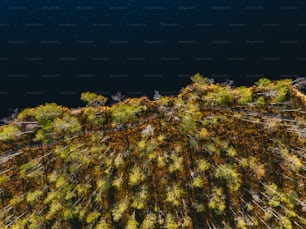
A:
230	175
174	195
198	78
92	216
136	176
34	196
263	82
281	88
171	223
93	99
141	199
120	209
216	201
149	221
127	112
244	95
9	132
68	124
46	113
132	222
260	102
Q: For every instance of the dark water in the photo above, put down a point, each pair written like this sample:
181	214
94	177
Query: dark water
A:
53	50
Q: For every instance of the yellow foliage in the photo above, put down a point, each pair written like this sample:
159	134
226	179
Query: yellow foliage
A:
120	209
187	222
92	216
198	182
203	133
118	161
241	224
177	164
3	179
140	201
217	201
231	152
136	176
260	171
295	163
33	196
132	222
54	208
170	222
160	161
16	200
174	195
149	221
103	224
203	165
118	183
60	182
67	214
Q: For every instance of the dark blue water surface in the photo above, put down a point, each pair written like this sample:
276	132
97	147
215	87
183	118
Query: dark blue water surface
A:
53	50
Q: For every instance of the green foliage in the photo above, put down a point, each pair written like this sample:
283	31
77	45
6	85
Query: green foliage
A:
92	216
198	78
141	199
35	221
197	182
127	112
55	207
203	134
149	221
67	214
46	113
285	223
120	209
281	87
260	102
175	162
93	117
32	197
174	195
136	176
219	96
93	99
244	95
103	224
26	115
231	152
216	201
203	165
224	95
118	182
132	222
8	133
171	223
241	224
16	200
67	124
263	82
18	224
3	179
27	168
230	175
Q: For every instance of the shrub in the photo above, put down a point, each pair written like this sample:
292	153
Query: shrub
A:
9	133
93	99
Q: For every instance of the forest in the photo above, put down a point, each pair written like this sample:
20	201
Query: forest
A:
212	156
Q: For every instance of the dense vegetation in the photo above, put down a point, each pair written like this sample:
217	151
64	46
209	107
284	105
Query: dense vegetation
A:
214	156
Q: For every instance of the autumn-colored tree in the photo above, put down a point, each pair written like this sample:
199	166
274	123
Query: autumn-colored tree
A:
214	156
